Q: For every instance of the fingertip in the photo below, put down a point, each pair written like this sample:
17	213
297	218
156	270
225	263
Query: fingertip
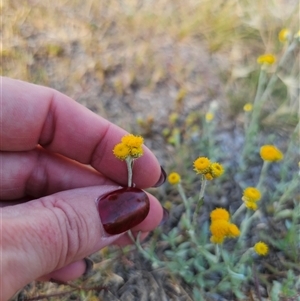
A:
68	273
153	218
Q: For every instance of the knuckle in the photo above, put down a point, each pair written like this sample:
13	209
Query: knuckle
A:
73	230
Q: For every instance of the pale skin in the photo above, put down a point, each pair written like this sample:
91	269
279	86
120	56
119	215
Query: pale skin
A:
59	153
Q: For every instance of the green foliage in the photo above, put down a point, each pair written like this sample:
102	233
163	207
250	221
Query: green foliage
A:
229	266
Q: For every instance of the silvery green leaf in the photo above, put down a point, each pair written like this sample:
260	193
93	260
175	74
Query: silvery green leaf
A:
235	275
184	245
275	291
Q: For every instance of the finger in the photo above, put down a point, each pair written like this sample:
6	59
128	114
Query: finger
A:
49	233
53	120
38	173
70	272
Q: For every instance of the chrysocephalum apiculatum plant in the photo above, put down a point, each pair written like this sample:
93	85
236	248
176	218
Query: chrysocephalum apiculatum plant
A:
224	252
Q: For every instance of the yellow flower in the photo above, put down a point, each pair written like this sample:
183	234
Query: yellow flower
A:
261	248
251	205
216	240
234	231
270	153
136	152
174	178
219	214
268	59
216	169
248	107
168	205
219	228
202	165
209	116
132	140
284	35
121	151
251	194
208	176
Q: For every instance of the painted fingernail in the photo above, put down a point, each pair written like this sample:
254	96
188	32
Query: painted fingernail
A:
162	178
123	209
89	266
165	216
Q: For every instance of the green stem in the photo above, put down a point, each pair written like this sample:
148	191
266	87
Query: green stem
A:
263	174
293	186
138	245
129	163
200	200
238	211
246	223
185	201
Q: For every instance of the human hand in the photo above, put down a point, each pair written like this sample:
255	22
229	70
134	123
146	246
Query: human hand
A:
58	154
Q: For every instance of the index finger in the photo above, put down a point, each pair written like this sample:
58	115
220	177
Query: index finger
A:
33	115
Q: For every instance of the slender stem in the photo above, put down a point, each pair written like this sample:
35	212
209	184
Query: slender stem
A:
263	174
185	201
292	186
246	222
137	243
129	163
200	200
202	190
238	211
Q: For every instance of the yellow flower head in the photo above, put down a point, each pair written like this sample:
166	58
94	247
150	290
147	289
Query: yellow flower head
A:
251	194
261	248
248	107
219	214
284	35
202	165
130	146
136	152
216	169
268	59
234	231
270	153
217	240
174	178
208	176
121	151
209	116
219	228
251	205
132	140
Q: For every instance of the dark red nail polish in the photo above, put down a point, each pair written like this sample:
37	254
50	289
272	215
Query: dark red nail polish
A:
162	178
123	209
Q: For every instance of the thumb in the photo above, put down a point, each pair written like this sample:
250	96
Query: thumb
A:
50	233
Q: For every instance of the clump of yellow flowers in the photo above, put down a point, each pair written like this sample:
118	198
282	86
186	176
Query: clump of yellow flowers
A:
221	227
270	153
130	146
129	149
209	169
250	197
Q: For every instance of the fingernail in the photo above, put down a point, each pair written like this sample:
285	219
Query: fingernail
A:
162	178
89	266
165	216
123	209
